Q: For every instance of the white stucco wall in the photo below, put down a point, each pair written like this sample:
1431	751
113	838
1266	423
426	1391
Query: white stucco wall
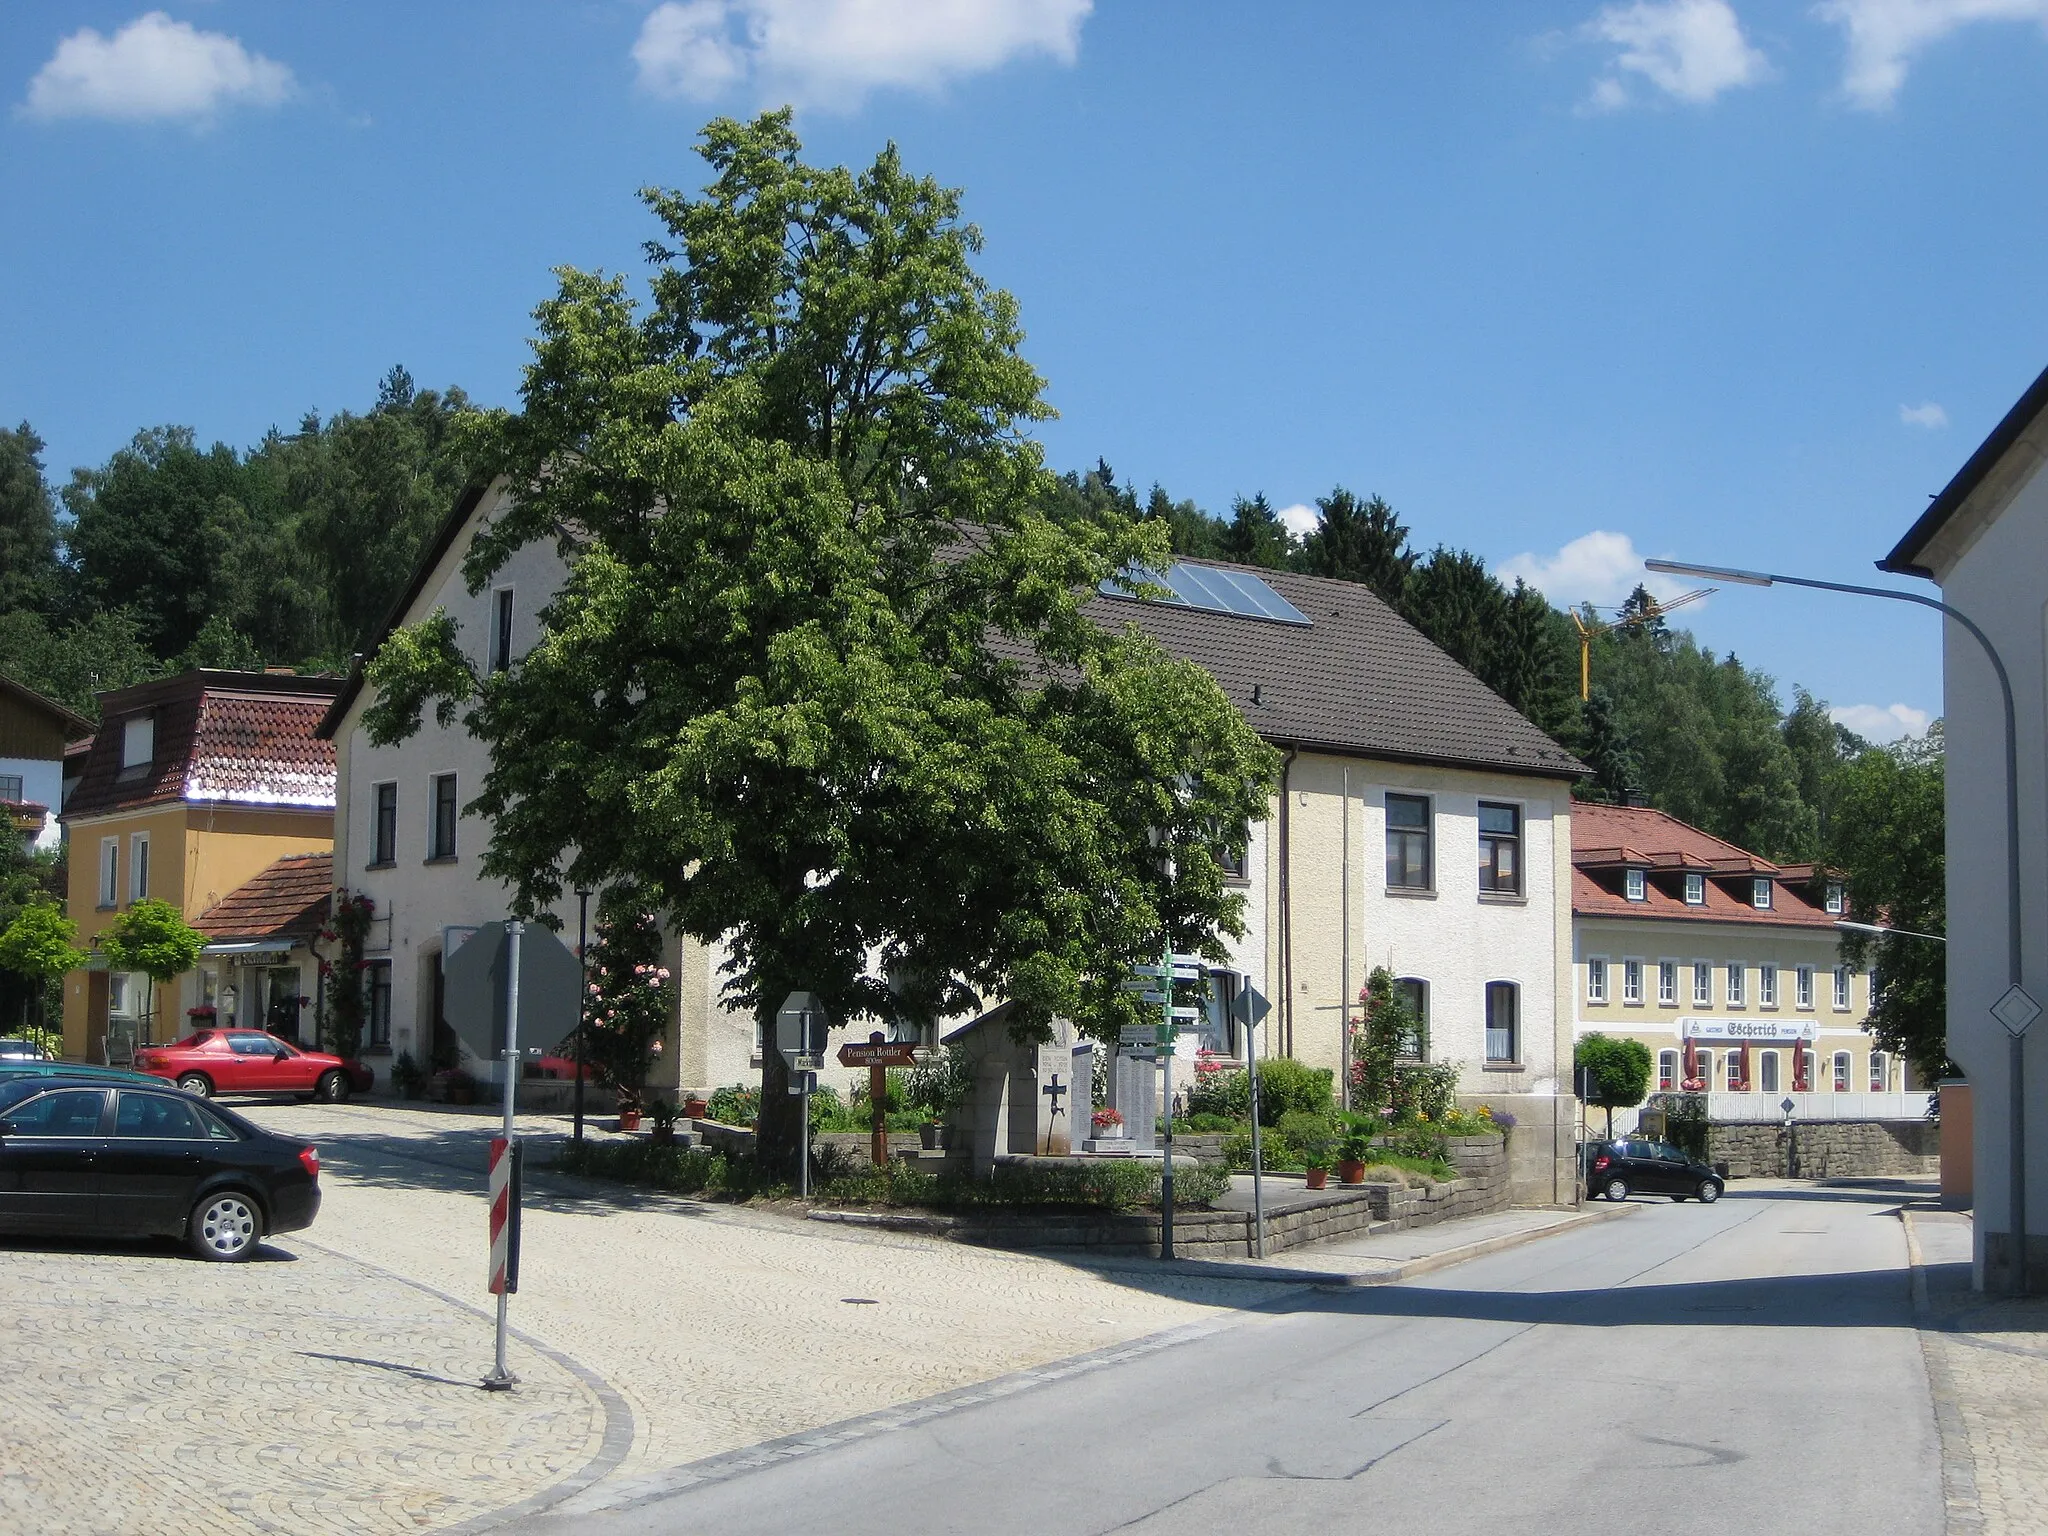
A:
1998	581
42	783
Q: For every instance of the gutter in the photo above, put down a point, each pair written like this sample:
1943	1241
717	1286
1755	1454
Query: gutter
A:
1286	908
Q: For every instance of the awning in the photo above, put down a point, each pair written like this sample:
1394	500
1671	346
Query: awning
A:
249	948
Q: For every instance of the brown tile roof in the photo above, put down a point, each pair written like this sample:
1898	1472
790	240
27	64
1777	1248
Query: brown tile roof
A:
1609	838
288	900
1357	679
238	738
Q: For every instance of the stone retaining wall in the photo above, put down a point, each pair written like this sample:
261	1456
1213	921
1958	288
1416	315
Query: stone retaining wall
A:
1826	1149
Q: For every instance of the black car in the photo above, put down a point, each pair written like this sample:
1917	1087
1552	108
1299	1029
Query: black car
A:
1618	1169
85	1157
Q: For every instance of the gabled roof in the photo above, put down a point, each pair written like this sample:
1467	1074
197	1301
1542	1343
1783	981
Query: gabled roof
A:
236	738
1610	837
1906	557
69	722
287	900
1357	679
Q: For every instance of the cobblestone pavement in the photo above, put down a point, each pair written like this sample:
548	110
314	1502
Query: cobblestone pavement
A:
1987	1362
332	1384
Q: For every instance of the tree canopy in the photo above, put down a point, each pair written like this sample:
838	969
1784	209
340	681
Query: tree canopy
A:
819	683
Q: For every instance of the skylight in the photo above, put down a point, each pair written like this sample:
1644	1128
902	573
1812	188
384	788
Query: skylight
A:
1209	589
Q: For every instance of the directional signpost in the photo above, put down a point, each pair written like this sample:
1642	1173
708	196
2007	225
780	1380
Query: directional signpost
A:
878	1056
801	1025
1252	1009
499	969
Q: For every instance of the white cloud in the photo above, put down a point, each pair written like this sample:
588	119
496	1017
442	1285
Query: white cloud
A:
831	53
1884	35
1301	519
1689	49
1882	722
1926	414
1600	568
153	68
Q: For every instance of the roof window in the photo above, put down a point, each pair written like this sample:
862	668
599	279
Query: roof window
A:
1637	886
138	745
1695	890
1760	894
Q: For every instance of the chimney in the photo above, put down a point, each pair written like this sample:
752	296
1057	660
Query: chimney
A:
1636	800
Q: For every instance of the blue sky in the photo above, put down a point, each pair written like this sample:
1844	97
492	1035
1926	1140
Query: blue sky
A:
1568	283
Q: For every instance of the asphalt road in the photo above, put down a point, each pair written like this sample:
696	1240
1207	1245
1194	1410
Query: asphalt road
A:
1746	1367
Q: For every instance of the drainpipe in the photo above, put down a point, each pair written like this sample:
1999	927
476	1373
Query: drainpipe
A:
1286	911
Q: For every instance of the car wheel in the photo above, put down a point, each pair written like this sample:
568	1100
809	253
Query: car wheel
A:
225	1227
332	1088
1616	1189
1710	1191
197	1083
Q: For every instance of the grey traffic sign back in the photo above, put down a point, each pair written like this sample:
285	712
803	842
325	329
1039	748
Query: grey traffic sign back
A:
477	980
800	1029
1252	1006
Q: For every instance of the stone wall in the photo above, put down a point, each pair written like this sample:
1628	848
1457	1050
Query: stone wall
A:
1837	1149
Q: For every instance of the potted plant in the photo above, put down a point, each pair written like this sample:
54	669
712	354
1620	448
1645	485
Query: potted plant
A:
629	1109
663	1114
1351	1158
696	1107
1313	1138
458	1087
407	1077
1107	1123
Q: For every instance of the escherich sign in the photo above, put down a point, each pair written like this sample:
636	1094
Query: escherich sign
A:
1748	1031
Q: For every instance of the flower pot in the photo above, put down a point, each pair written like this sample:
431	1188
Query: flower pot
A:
1351	1173
1318	1177
629	1119
664	1135
461	1094
695	1109
928	1135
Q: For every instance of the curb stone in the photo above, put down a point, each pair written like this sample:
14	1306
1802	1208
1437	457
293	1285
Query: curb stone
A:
1962	1509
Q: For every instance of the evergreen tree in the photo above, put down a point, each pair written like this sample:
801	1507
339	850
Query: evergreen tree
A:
1256	536
1360	541
30	575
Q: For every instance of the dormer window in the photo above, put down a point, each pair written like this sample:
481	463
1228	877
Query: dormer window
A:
1695	890
1637	887
138	745
1760	894
1835	897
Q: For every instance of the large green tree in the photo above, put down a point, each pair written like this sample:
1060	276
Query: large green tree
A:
1362	541
819	682
1887	836
30	576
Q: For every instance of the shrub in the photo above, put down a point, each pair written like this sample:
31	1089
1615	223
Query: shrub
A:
736	1104
1222	1091
1287	1086
1424	1089
1620	1068
1208	1123
1309	1136
940	1086
1421	1140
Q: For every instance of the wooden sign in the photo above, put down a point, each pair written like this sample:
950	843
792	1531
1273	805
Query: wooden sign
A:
878	1053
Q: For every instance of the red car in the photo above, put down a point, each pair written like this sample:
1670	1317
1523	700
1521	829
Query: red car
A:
249	1061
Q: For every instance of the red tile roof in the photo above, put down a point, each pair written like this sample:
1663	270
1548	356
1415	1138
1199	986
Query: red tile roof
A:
288	900
239	738
1609	838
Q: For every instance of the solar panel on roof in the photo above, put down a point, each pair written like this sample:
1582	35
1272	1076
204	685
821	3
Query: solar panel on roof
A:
1209	589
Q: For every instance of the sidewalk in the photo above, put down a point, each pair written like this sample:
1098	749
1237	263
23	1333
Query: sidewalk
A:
1987	1364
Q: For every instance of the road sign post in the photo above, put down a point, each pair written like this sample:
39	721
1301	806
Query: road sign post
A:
801	1025
878	1056
1252	1010
505	1218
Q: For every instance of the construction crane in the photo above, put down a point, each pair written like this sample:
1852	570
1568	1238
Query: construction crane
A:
1588	628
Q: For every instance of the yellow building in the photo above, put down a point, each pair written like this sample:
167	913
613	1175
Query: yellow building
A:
193	785
1727	967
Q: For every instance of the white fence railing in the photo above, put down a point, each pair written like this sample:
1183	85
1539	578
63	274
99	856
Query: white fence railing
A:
1818	1106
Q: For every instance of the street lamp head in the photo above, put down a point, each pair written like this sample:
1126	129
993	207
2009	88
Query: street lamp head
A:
1843	922
1709	572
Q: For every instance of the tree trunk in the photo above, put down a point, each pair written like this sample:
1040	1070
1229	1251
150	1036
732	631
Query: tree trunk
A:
778	1134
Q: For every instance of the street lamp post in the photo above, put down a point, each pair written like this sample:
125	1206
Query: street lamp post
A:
2015	1010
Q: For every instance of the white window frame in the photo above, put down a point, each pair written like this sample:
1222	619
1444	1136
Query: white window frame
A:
1695	890
110	872
1842	1067
1842	989
1632	983
1767	985
138	866
1667	1071
1667	983
138	742
1879	1072
1596	979
1703	983
1703	1063
1737	984
1636	885
1802	987
1768	1076
1760	893
1834	898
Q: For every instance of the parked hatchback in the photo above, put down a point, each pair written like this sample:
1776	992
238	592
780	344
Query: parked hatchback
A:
214	1061
85	1157
1636	1166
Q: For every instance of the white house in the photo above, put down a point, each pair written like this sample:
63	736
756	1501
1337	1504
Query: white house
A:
1985	540
33	734
1419	823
